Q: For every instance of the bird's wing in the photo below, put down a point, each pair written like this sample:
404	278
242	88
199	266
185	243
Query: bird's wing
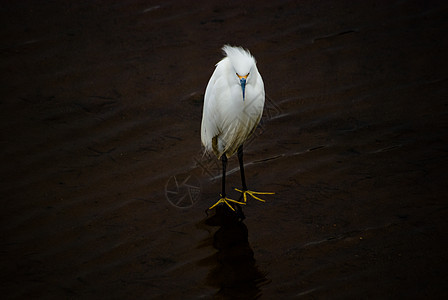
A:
209	127
215	112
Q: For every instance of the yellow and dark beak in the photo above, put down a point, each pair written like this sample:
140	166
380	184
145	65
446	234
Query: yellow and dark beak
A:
243	83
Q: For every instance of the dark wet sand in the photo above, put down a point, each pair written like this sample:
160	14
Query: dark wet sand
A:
101	108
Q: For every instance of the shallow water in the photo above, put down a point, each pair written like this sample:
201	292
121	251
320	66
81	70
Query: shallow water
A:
105	184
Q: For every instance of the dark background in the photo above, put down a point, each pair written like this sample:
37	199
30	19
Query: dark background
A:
101	107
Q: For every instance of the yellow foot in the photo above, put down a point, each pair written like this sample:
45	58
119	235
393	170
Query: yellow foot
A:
225	200
252	193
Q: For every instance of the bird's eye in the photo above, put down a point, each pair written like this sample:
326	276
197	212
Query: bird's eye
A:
245	76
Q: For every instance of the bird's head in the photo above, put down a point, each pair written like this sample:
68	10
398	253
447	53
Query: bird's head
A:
243	64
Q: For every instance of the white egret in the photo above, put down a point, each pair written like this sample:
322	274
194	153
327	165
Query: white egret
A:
233	106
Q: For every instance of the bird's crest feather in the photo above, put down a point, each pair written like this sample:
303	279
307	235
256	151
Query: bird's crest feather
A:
240	58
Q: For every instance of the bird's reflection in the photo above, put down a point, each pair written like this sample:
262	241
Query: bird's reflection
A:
235	273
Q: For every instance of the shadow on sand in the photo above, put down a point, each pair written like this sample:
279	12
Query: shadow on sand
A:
234	269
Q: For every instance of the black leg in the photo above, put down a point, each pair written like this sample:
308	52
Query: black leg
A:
243	181
240	159
239	212
224	166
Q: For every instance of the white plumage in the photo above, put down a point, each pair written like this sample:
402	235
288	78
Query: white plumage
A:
228	119
233	106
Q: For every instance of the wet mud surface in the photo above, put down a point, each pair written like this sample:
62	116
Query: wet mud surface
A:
104	183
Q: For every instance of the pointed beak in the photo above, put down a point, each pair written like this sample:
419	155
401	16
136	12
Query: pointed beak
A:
243	84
